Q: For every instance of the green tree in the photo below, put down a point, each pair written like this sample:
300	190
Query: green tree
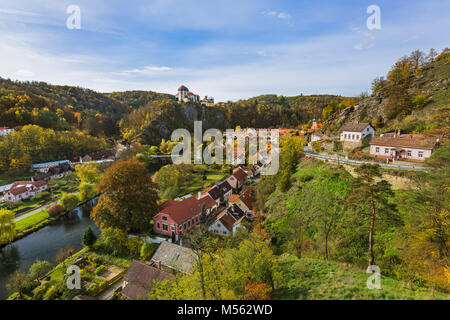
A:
39	269
7	226
89	237
147	250
16	282
69	201
253	261
87	191
129	198
372	197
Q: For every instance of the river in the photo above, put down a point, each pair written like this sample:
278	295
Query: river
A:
45	243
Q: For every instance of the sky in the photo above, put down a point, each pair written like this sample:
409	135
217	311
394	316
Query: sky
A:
226	49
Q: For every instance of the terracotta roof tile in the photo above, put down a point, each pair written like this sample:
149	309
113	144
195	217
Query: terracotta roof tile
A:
404	141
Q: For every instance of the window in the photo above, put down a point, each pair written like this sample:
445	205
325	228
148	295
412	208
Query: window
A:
357	137
193	221
158	226
409	153
353	137
386	150
189	223
164	218
165	227
185	226
196	219
345	136
377	150
172	227
420	154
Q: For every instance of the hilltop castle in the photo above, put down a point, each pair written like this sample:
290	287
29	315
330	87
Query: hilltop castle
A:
184	95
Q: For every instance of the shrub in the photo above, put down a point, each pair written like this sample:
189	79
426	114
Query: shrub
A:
55	210
147	250
89	237
100	270
28	287
69	201
51	293
45	195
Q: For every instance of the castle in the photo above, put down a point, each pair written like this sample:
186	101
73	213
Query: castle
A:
184	95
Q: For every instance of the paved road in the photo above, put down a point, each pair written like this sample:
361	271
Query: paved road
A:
384	165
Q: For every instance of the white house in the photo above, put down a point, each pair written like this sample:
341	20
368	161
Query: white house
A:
225	224
5	131
21	190
355	132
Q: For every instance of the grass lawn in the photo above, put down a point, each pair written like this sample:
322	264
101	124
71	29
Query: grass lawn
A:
34	219
196	183
313	279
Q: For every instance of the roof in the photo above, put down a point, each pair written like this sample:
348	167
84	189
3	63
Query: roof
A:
404	141
240	174
183	88
215	191
247	198
167	203
20	187
25	183
175	257
233	197
18	190
227	220
207	201
5	187
139	278
182	211
355	127
48	164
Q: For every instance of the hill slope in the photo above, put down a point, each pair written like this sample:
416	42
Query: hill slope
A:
413	98
313	279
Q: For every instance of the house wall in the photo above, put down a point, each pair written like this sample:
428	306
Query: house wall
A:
381	153
354	136
172	226
219	229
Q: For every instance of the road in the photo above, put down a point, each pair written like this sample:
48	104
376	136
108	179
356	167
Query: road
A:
383	165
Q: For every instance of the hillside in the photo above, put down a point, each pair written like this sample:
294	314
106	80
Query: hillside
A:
314	279
138	98
279	111
59	107
414	97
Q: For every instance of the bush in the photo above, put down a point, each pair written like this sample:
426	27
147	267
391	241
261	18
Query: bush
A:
69	201
89	237
28	287
147	250
45	195
55	210
51	293
100	270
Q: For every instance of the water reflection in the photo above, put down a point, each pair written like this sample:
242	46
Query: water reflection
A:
44	244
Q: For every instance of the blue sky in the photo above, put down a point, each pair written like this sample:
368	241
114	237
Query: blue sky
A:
226	49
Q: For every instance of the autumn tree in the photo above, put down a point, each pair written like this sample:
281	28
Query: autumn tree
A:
129	198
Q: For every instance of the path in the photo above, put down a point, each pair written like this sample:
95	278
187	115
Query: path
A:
383	165
109	292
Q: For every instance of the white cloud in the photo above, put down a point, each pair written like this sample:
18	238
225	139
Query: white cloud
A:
279	15
147	70
23	73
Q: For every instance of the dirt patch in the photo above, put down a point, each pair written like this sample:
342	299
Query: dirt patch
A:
398	183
